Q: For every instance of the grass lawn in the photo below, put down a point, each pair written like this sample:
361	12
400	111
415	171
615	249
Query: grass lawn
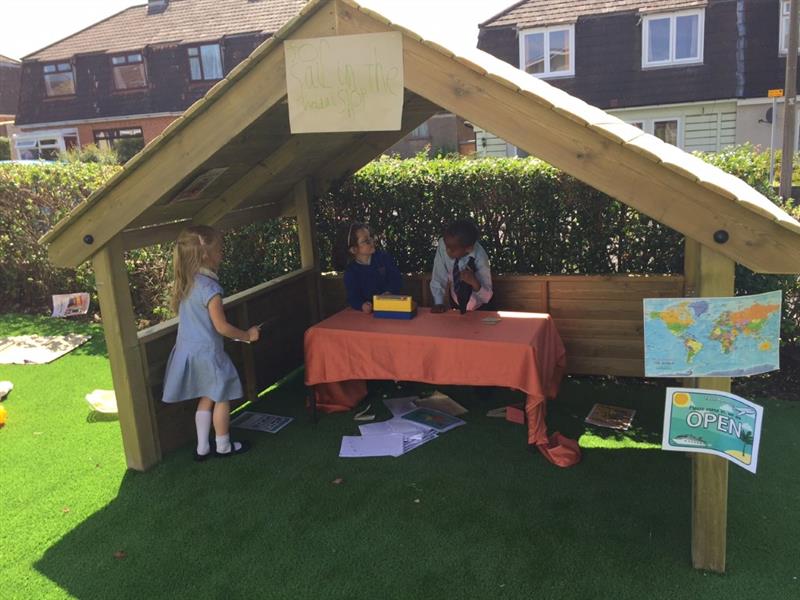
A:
470	515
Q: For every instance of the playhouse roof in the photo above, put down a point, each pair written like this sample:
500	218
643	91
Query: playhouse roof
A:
242	126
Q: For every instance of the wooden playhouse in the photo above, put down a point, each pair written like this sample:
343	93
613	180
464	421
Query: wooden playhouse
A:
238	140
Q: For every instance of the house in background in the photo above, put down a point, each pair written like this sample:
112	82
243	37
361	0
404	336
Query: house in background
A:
10	70
120	82
694	73
443	133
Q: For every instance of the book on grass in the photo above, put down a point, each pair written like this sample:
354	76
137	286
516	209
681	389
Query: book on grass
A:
612	417
433	419
256	421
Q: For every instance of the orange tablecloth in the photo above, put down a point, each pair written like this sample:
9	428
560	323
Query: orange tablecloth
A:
522	351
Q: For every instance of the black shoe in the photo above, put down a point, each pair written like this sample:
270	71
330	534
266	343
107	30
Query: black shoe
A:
244	447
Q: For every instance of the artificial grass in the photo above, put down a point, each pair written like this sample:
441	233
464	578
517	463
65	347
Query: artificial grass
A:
470	515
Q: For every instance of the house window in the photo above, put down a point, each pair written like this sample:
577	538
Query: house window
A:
126	142
421	132
44	145
205	62
129	72
59	79
548	52
673	39
667	129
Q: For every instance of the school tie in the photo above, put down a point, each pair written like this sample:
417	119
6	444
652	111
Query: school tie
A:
463	290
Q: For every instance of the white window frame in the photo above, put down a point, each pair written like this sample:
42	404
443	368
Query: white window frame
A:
547	74
24	141
672	16
648	126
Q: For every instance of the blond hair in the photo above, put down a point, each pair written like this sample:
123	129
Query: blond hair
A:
190	254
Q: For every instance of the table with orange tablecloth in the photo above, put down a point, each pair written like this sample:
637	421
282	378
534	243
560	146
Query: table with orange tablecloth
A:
522	351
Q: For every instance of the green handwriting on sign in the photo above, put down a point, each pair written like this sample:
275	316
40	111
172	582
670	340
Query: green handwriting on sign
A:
345	83
712	422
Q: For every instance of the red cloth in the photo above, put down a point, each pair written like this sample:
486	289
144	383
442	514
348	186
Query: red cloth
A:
522	351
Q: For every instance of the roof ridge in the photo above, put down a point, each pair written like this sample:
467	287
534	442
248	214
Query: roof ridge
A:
502	13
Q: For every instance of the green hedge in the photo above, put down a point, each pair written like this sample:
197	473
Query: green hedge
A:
533	219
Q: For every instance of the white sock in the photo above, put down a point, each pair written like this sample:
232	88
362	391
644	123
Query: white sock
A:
224	444
202	421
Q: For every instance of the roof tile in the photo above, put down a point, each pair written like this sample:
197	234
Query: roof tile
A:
183	21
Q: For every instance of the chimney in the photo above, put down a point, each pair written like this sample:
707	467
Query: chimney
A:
155	7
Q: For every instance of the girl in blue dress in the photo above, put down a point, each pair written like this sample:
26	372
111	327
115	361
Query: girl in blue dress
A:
198	367
368	272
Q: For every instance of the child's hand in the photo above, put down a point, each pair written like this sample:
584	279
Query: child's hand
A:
367	307
467	276
254	333
438	308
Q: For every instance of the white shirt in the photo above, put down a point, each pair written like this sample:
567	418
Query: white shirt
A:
443	275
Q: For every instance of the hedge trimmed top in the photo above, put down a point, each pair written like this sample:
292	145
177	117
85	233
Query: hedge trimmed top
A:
242	125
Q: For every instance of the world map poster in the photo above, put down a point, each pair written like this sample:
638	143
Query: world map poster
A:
712	337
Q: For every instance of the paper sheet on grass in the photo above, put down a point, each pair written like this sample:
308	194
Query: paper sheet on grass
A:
414	434
371	445
38	349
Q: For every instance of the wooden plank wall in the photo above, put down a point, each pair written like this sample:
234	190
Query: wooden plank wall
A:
283	305
599	317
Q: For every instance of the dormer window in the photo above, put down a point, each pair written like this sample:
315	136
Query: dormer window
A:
59	79
548	52
129	73
673	39
205	62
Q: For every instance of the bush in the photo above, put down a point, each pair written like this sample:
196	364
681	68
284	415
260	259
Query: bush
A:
91	154
35	197
5	148
533	219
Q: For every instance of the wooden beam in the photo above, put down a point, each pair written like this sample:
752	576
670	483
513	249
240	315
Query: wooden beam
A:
168	232
136	410
226	111
369	146
284	160
309	246
622	171
709	274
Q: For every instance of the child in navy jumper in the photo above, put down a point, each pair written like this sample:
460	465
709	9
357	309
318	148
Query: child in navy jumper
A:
369	272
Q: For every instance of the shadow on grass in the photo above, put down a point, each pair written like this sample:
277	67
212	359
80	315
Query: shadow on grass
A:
470	515
15	324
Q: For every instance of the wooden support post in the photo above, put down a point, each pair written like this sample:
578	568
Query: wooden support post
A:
708	274
136	411
309	248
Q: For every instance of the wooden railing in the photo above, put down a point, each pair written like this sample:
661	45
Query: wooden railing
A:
285	307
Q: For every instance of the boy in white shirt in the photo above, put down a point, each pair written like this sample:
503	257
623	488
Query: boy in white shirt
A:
462	263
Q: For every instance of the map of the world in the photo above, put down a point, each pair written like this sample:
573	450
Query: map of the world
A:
712	337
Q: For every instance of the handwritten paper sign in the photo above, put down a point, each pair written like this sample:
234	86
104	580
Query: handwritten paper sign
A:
345	83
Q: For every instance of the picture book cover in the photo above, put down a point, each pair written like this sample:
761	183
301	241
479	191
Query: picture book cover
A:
613	417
